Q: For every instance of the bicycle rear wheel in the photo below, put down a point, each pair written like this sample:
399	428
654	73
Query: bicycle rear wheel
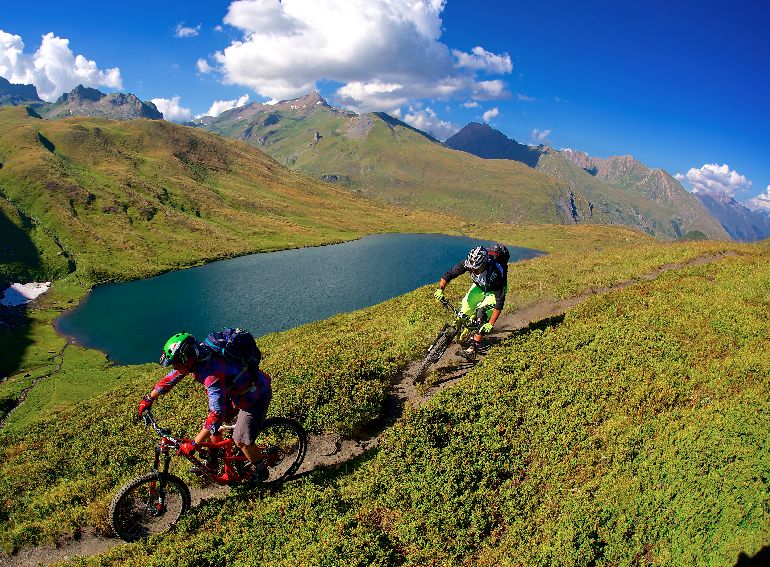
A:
282	443
148	505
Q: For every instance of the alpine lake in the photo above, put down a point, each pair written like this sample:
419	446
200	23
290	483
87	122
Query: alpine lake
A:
262	293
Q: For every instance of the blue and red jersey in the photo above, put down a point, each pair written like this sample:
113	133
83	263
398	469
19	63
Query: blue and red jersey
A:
228	387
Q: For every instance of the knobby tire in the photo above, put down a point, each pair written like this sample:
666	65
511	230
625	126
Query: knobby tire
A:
134	510
288	438
435	352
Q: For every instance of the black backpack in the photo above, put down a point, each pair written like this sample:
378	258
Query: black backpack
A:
499	253
236	345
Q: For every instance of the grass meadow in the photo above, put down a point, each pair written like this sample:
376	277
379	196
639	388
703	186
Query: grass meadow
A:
630	431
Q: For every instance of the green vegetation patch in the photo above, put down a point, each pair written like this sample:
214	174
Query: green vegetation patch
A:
335	374
632	431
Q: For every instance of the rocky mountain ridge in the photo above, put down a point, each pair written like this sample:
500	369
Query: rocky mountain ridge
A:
302	105
601	180
12	94
484	141
740	222
86	101
384	158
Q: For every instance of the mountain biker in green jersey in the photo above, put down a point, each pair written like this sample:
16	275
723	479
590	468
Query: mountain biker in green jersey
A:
485	298
230	389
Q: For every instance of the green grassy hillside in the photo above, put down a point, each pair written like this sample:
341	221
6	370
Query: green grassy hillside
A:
632	431
125	199
386	159
480	465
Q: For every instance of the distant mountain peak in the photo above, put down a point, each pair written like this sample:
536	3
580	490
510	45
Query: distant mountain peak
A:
81	93
740	222
313	98
16	94
484	141
87	101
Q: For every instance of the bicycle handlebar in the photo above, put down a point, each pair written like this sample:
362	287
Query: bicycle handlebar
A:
149	421
445	302
469	321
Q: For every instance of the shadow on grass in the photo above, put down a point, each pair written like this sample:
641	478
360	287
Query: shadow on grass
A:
19	260
760	559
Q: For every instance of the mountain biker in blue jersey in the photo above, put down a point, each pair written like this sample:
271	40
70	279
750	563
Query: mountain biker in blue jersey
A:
230	388
485	298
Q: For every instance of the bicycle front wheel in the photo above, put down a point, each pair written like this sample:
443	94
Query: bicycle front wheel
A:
148	505
282	443
435	352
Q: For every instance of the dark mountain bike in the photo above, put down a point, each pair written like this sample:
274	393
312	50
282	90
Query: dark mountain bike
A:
461	330
153	502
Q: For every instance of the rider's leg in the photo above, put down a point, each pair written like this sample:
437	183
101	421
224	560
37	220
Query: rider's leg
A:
484	310
247	427
472	298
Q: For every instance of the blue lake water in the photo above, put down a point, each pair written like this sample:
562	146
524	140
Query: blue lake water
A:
262	293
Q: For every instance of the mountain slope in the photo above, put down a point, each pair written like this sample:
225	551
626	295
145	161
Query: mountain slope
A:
740	222
639	196
386	159
143	196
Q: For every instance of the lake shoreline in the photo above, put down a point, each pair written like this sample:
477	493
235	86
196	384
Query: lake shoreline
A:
316	285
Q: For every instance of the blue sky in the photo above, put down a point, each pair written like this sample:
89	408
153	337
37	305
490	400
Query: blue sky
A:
681	85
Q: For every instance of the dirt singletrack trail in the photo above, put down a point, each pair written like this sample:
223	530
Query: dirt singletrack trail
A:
326	450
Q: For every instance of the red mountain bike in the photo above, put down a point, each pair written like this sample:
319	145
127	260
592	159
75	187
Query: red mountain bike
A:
153	502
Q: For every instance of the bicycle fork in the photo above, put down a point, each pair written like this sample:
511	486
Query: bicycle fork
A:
156	501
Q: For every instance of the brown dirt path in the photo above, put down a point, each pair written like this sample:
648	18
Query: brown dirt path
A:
327	450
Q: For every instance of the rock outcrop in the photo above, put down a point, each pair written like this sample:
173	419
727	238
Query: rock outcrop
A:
16	95
85	101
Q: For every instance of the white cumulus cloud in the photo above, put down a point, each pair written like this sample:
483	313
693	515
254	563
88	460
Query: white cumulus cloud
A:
383	52
428	121
53	68
489	89
219	106
540	136
524	98
172	109
471	104
186	31
490	114
482	60
203	66
715	180
761	202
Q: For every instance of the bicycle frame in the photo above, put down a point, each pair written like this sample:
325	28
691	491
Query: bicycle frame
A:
231	455
462	321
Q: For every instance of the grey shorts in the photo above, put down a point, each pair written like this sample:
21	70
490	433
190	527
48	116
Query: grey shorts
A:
250	420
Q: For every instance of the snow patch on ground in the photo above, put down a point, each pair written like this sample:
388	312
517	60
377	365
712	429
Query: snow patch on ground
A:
19	294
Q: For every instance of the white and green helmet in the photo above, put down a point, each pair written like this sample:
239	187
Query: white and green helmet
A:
477	258
179	348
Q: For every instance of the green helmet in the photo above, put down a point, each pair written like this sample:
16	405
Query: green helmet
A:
179	348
